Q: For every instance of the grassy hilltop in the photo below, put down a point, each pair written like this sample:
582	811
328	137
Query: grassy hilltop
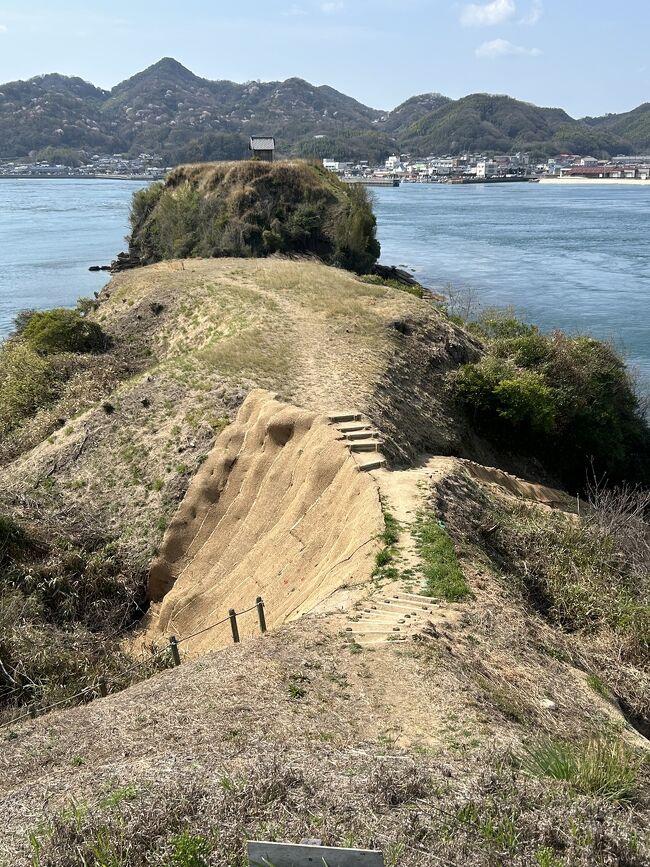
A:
458	664
254	209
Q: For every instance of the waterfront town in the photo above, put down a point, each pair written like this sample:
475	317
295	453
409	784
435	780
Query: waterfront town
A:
481	168
145	167
398	168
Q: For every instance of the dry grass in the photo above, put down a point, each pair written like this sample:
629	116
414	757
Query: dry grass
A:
220	750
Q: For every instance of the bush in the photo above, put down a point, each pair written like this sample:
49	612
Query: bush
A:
28	382
62	330
62	605
253	208
567	401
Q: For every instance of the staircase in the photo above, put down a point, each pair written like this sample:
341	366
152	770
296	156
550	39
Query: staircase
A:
390	617
360	437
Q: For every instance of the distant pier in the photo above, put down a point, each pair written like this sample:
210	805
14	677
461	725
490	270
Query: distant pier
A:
373	182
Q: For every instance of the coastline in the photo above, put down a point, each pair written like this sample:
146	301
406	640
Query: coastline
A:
26	177
591	182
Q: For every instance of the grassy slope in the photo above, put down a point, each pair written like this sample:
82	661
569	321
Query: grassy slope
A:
424	734
193	338
436	749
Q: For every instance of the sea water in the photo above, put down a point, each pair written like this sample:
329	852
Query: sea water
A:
51	231
576	258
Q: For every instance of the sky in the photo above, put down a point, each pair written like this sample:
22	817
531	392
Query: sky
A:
588	58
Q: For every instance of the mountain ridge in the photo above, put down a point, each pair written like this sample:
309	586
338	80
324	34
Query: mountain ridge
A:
168	109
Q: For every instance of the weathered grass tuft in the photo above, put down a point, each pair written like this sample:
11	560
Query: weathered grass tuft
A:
603	768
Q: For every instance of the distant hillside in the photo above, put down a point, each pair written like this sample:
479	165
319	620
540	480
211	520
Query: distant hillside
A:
634	126
482	122
413	110
169	110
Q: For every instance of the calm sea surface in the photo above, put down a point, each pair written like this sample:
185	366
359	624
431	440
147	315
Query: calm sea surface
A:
50	232
565	257
570	257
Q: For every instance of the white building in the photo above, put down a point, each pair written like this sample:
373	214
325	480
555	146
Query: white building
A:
486	169
336	166
392	163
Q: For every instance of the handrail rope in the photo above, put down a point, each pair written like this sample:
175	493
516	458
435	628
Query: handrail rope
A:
218	623
155	654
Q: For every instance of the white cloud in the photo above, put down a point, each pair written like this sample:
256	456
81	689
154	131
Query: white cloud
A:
534	14
331	7
3	28
488	14
295	10
502	48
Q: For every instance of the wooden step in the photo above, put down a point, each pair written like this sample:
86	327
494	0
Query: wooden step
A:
353	426
344	416
366	433
364	446
411	598
395	604
375	464
373	642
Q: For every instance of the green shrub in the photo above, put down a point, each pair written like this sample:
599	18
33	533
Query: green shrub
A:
62	330
442	572
28	382
567	401
253	208
600	768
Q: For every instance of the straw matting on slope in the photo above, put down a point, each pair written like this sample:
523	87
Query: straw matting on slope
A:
280	510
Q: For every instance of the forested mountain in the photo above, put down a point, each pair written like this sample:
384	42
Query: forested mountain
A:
482	122
633	126
170	111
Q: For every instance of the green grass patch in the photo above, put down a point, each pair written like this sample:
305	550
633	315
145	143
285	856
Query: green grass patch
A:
441	569
599	686
602	768
390	536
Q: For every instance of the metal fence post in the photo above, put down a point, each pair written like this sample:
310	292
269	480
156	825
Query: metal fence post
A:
32	711
173	646
233	625
260	614
103	689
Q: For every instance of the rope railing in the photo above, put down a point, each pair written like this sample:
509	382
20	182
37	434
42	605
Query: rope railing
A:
100	687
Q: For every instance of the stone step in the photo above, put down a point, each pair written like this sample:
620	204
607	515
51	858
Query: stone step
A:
350	415
375	464
366	433
364	446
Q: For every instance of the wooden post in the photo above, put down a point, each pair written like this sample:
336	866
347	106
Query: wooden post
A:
173	646
260	614
32	711
103	689
233	625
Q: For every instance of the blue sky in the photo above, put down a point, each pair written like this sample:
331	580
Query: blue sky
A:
589	58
